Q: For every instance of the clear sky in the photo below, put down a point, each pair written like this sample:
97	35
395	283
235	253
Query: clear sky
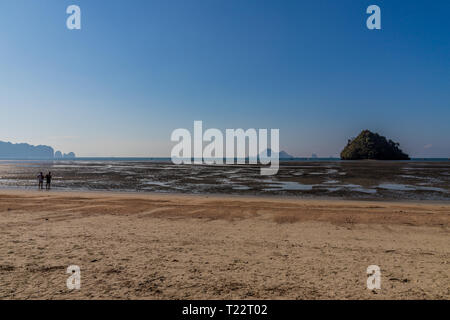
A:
139	69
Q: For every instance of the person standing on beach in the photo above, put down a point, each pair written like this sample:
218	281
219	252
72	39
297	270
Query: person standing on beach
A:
48	180
40	180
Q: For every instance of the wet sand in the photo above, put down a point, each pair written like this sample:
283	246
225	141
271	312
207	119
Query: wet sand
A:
150	246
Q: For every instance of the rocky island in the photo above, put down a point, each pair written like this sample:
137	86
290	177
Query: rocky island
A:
369	145
17	151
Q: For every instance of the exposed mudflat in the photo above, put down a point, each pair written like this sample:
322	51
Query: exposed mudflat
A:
370	180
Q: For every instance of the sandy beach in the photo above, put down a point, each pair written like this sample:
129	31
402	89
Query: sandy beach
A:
156	246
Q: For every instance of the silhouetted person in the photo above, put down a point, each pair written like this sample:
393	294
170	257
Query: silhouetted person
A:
48	181
40	178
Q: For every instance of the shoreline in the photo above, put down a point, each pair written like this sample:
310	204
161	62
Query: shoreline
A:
268	197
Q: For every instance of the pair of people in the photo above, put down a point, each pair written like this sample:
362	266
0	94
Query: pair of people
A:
48	180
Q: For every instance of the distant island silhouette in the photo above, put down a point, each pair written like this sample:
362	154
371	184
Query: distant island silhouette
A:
369	145
10	150
281	154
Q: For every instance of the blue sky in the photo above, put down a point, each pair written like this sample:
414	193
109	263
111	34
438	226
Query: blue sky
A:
139	69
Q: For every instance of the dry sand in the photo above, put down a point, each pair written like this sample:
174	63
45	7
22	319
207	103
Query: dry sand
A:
146	246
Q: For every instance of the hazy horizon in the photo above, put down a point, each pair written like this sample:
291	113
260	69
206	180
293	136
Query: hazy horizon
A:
136	71
311	156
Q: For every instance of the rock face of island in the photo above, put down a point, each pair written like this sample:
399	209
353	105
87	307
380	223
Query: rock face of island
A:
10	150
369	145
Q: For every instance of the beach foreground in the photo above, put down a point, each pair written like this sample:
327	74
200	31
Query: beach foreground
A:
147	246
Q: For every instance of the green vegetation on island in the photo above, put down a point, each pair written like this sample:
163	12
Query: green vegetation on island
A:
369	145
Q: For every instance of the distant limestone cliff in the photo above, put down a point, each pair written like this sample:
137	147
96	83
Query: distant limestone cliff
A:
10	150
60	155
285	155
369	145
281	154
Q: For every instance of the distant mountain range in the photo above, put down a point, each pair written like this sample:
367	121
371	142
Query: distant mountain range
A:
10	150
